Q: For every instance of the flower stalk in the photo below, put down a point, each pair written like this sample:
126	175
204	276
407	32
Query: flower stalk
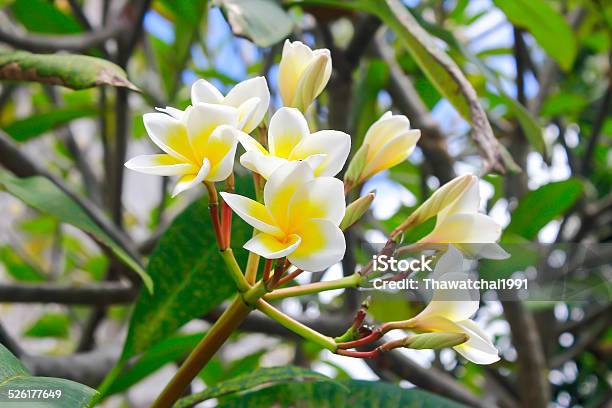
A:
351	281
295	326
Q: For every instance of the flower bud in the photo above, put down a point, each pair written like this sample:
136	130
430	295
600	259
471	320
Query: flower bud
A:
391	141
303	74
435	340
356	210
353	173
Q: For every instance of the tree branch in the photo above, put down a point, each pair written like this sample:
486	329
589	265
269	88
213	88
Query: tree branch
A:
53	43
103	293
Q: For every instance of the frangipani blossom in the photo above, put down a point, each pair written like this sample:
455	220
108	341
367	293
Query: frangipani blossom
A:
289	139
390	141
302	74
458	221
299	218
450	312
199	145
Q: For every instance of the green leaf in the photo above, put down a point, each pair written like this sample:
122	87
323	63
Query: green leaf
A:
522	255
50	325
548	27
167	351
262	21
537	208
254	379
564	103
19	268
185	265
27	128
15	378
329	395
41	194
41	16
69	70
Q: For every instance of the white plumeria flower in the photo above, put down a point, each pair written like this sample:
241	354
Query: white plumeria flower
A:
302	74
458	221
450	312
390	141
250	98
289	139
299	218
199	145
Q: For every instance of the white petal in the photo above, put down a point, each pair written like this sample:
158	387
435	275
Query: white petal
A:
270	247
254	213
464	228
384	129
321	198
220	151
251	88
246	115
159	164
203	91
295	58
168	134
450	262
479	348
335	144
250	144
322	246
261	163
488	251
467	202
203	119
312	80
392	153
188	181
175	113
287	128
281	186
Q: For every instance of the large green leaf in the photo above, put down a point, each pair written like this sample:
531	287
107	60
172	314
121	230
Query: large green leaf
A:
262	21
14	378
50	325
537	208
328	394
27	128
69	70
549	28
43	195
443	73
252	380
189	278
18	267
43	16
164	352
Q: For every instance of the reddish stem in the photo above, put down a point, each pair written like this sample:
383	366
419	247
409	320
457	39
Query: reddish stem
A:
290	277
226	222
375	335
214	216
267	269
359	354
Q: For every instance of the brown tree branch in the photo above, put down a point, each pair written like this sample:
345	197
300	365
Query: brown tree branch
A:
103	293
53	43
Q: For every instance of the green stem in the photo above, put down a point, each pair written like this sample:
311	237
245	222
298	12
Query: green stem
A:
234	270
347	282
296	327
109	380
251	269
199	357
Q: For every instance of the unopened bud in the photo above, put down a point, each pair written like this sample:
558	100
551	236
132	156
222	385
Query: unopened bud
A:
356	210
435	340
